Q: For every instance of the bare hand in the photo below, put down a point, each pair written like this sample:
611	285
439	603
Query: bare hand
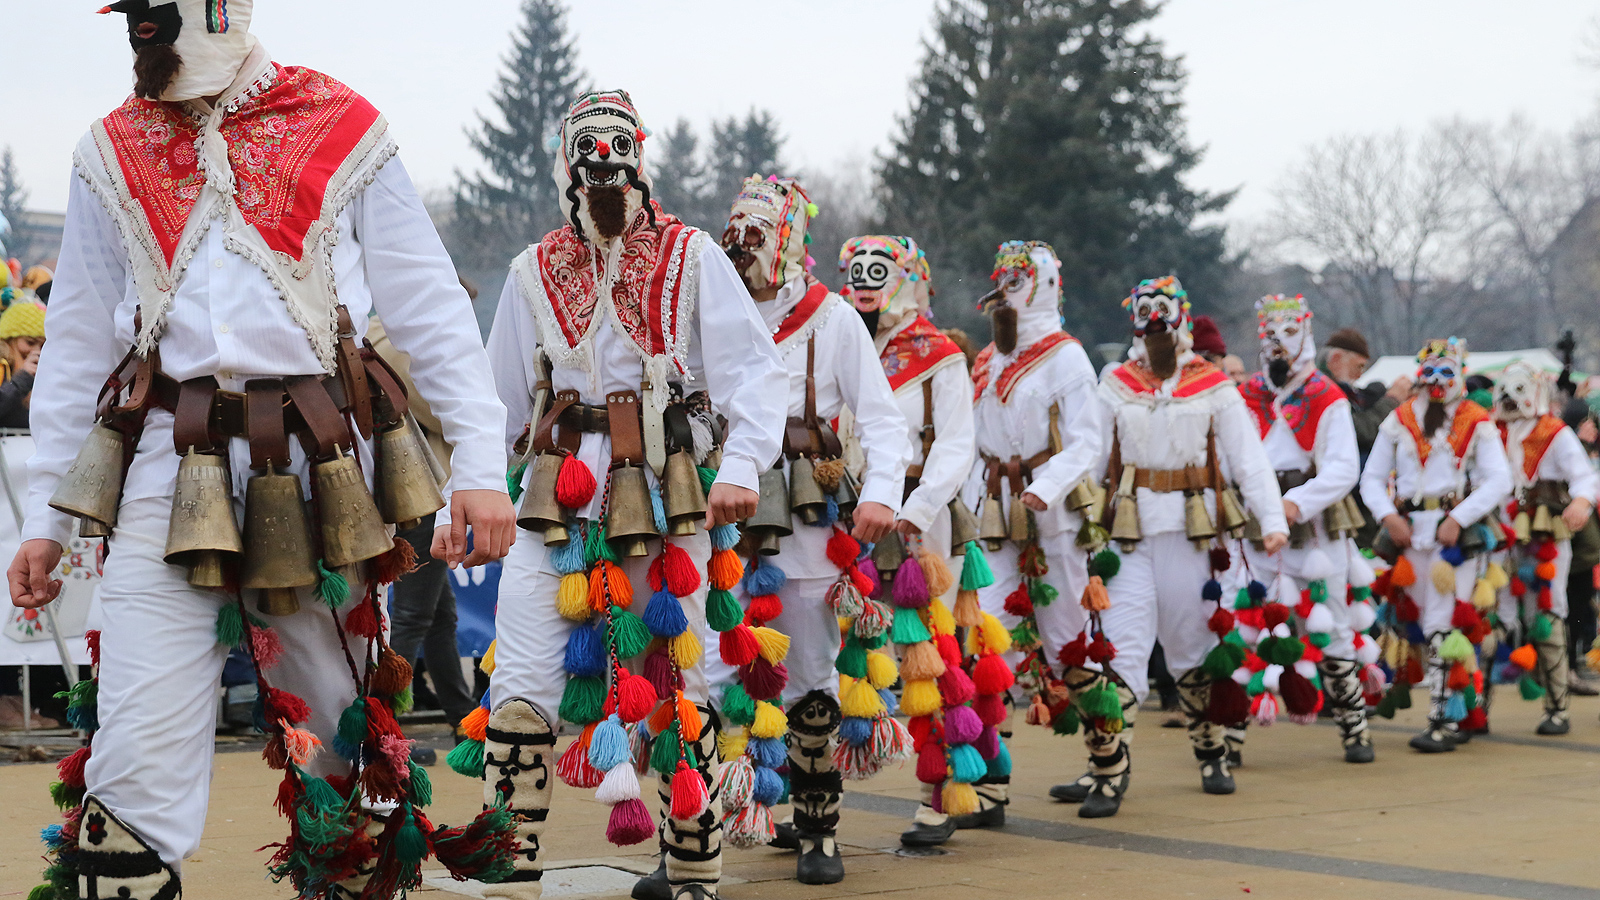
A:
1274	542
909	529
1576	515
729	503
873	521
1449	532
29	575
493	521
1291	511
31	364
1032	501
1399	528
1400	390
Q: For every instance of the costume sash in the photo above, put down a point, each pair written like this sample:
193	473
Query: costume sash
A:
1468	417
1026	362
1302	408
914	351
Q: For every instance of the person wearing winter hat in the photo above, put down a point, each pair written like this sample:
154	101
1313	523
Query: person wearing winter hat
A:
22	333
1208	340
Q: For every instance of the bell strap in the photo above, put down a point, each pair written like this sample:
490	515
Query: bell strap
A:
1016	470
622	417
807	435
191	418
927	432
392	401
322	417
352	373
263	415
1113	474
570	438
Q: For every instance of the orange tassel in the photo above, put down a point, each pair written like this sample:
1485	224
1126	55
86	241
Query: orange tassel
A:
1545	571
1402	575
392	675
608	584
662	717
1095	598
1525	657
399	560
475	722
689	723
724	570
1459	678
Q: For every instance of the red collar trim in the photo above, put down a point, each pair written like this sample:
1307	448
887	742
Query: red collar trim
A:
1197	377
1013	373
1468	417
914	351
1302	409
802	312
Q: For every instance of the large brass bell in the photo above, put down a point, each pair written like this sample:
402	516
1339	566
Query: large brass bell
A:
1522	525
1336	520
1082	495
1197	524
1541	520
1230	511
682	494
1559	530
887	555
406	489
806	498
847	494
540	511
92	488
772	519
202	534
352	529
630	521
992	524
1125	517
278	556
1018	520
93	528
963	527
440	476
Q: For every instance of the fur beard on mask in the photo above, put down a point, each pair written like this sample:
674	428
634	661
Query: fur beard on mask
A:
1004	322
154	68
1278	371
1433	419
1161	352
871	318
607	203
608	207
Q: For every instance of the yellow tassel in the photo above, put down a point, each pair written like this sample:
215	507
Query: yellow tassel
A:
844	627
921	661
774	644
990	636
1496	576
572	597
1483	595
881	670
858	700
1095	598
486	665
769	722
959	799
685	649
921	697
1444	578
967	611
936	572
731	744
1388	648
939	619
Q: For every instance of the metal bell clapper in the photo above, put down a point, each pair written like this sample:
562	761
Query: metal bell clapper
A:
992	524
202	533
682	494
278	555
772	519
1125	517
92	487
1197	524
406	488
629	520
352	529
806	498
963	527
93	528
540	512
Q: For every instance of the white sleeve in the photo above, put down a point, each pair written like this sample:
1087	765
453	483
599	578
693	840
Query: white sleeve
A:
1573	463
513	346
746	378
1240	446
1081	431
879	423
81	347
428	316
954	447
1491	474
1338	463
1375	477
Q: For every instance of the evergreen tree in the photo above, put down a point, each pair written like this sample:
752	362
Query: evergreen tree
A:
678	174
499	212
13	202
739	149
1061	121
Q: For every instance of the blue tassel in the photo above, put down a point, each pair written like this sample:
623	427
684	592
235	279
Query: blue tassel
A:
658	509
1455	709
586	652
966	765
1257	591
1385	614
52	836
664	615
768	787
1453	556
764	579
568	558
484	700
767	752
1506	673
1000	766
1211	590
1414	633
833	511
724	537
891	703
855	731
608	746
1528	573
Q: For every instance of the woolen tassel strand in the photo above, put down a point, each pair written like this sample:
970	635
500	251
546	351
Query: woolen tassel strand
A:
230	625
724	570
881	671
575	484
935	573
686	649
967	612
975	571
955	687
572	597
722	610
991	675
738	645
774	644
769	721
842	549
959	799
688	793
920	661
1095	598
919	697
630	823
621	784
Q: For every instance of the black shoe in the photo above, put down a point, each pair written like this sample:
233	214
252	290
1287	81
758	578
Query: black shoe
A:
924	835
1554	723
1434	740
1215	777
653	886
1235	758
1073	791
814	865
423	756
1358	752
1105	798
784	837
993	817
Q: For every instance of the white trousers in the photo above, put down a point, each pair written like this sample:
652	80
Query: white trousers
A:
814	639
1513	560
1061	621
1292	562
1156	596
531	637
160	665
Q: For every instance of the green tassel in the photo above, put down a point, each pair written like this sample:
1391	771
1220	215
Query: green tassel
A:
1386	706
403	701
1319	591
629	635
874	642
81	694
1235	639
230	625
1218	663
514	481
908	627
1107	564
421	786
708	477
1531	690
583	699
332	587
43	892
1289	652
1321	640
664	754
1025	635
1042	593
1241	600
1101	702
722	610
1541	628
467	759
1067	722
1258	683
738	708
320	797
596	547
1469	695
975	571
353	722
409	845
1402	698
852	659
65	797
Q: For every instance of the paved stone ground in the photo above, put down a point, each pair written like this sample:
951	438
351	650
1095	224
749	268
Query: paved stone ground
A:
1511	815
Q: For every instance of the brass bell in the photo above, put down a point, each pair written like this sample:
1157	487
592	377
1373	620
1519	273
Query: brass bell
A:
202	534
806	499
1230	511
1336	520
1018	520
540	511
1197	524
682	494
1125	516
887	555
963	527
1082	495
352	530
436	468
278	556
93	528
1559	530
772	519
1474	540
1252	531
630	522
405	487
848	494
92	488
1300	533
1541	520
992	524
1522	526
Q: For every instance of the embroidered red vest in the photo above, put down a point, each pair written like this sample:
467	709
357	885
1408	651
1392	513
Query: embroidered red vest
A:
1025	362
916	350
1302	409
1537	443
1197	377
1468	417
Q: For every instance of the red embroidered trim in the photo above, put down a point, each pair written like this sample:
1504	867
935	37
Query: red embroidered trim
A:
284	146
1302	409
1029	360
802	312
1468	417
914	350
1197	377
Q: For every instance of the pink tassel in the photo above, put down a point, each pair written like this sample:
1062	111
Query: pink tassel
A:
265	646
910	585
630	823
398	751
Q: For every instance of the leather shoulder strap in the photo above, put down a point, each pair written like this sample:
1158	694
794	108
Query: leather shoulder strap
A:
353	374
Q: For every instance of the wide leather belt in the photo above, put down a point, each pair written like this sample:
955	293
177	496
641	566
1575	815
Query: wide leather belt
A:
1015	470
1427	504
586	418
1166	481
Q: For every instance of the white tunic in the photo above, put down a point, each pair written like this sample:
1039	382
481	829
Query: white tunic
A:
1395	453
1565	460
1333	451
948	461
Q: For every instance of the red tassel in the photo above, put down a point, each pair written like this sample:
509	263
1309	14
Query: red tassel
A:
688	793
1018	603
921	730
1219	559
573	767
1274	614
1406	610
1101	650
1547	552
276	752
380	721
949	650
678	571
1300	697
363	619
863	582
401	559
637	697
991	709
284	705
764	609
739	646
574	483
1544	598
1475	720
71	768
1464	616
92	638
1458	678
1229	704
991	675
955	687
1073	655
842	549
286	795
931	766
1221	622
1517	587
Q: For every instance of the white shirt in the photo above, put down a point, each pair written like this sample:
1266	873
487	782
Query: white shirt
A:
731	356
1564	460
1333	451
227	320
1394	452
950	457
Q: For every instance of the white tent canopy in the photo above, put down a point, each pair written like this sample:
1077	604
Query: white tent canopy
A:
1486	362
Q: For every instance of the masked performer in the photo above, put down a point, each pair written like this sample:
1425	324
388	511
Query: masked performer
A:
1553	492
233	283
1448	470
1304	422
1176	431
887	278
620	340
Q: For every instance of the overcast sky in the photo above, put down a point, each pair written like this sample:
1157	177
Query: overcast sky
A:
1267	77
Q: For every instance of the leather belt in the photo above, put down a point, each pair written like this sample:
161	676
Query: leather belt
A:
1015	470
204	415
586	418
1427	504
1166	481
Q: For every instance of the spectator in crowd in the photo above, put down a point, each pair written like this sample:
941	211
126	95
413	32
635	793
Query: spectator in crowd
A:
1585	556
1208	340
1344	357
1234	367
21	338
36	283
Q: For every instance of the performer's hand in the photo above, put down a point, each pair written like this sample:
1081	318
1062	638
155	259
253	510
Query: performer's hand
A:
31	585
1576	515
1449	532
1274	542
1291	511
909	529
493	521
1399	528
1032	501
729	503
873	521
